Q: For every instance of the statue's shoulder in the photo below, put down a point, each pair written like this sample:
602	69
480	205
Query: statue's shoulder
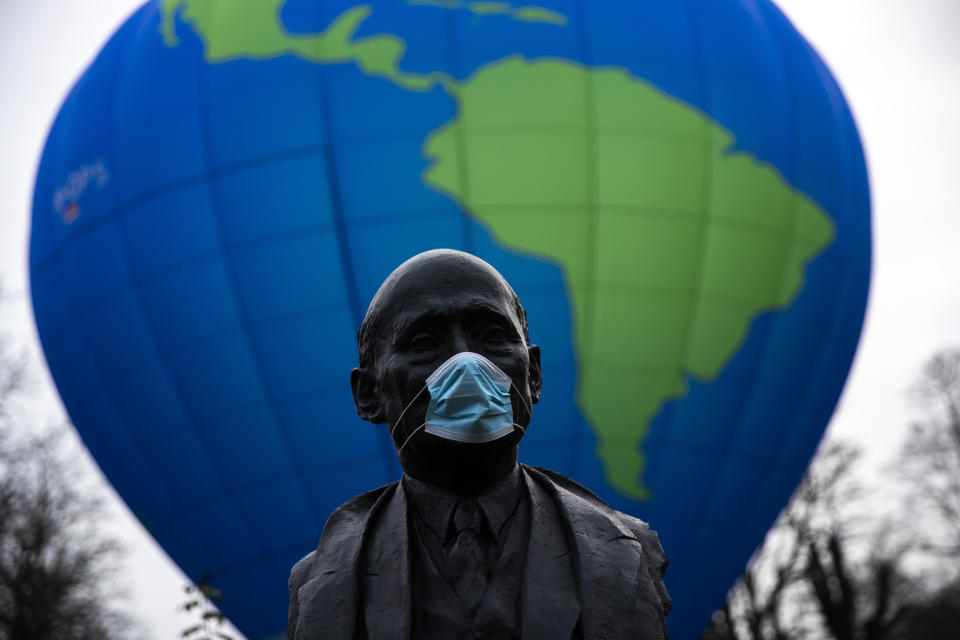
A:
562	481
591	500
343	527
357	509
585	500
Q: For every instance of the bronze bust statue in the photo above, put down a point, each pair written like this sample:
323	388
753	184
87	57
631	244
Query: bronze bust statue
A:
469	543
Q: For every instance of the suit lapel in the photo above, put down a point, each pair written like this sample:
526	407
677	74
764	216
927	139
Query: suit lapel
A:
608	564
329	598
550	604
386	576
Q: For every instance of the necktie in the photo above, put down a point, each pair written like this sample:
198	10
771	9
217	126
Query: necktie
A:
466	559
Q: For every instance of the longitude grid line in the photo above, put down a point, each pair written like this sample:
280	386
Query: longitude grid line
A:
754	372
387	450
792	234
139	297
705	185
592	223
139	446
233	283
161	356
808	393
833	91
463	173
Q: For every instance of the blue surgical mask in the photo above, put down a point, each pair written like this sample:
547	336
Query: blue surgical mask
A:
469	401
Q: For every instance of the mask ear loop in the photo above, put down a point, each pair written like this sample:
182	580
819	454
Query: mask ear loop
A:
523	430
403	413
404	445
397	423
522	401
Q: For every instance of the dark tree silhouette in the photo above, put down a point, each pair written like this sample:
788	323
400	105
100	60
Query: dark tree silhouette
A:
856	601
55	563
930	459
831	569
935	617
805	582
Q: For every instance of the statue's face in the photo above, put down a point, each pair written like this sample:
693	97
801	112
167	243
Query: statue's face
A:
435	310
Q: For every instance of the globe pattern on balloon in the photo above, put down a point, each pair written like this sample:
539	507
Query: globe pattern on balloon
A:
676	190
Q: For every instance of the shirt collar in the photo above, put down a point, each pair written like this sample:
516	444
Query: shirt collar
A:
435	505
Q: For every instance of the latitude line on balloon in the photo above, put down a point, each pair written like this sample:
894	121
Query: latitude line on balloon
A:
174	186
194	506
146	196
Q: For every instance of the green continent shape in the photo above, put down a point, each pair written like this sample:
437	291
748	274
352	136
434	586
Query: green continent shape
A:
252	29
539	14
524	14
671	243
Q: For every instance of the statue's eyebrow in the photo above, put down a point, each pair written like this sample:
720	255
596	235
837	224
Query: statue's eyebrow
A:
490	313
404	324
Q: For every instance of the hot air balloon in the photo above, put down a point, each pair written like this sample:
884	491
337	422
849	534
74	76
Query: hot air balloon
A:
676	190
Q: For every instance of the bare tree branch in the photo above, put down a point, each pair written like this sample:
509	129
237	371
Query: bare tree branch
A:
930	459
804	582
55	563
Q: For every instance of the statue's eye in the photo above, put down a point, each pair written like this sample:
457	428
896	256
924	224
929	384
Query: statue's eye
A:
495	335
422	342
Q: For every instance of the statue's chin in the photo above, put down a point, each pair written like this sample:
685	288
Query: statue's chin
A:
459	466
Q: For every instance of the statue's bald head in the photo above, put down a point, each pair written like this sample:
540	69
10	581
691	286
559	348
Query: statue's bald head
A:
439	271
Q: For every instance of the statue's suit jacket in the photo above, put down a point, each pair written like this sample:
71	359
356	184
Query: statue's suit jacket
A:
359	572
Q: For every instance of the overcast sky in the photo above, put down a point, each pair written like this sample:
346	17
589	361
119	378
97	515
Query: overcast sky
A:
898	61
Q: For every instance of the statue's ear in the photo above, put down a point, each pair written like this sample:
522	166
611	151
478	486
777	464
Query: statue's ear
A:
536	377
365	395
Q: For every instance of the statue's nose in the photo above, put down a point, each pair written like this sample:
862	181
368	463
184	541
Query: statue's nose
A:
459	342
